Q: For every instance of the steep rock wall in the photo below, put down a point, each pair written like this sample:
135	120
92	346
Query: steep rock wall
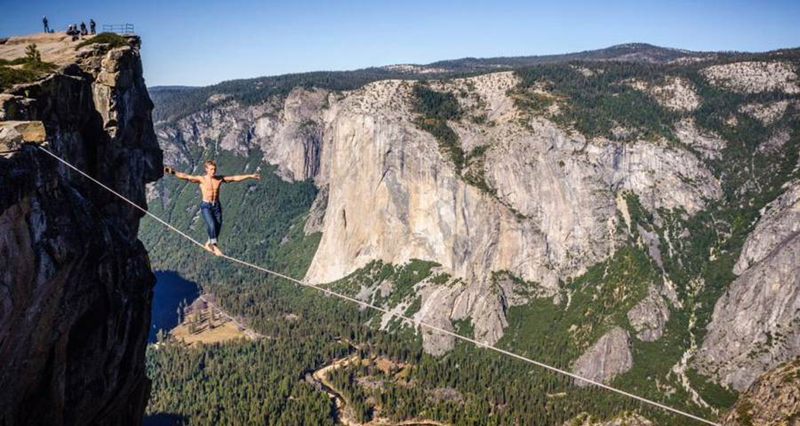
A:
75	281
756	323
394	195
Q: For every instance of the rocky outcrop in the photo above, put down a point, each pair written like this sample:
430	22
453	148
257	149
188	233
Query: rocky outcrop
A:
649	316
780	223
754	77
756	323
13	134
607	358
772	400
316	216
405	201
75	282
708	145
675	93
766	113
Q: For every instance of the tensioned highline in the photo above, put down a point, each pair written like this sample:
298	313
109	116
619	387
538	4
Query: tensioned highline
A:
386	311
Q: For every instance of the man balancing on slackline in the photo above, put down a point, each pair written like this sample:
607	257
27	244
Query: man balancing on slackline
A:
210	207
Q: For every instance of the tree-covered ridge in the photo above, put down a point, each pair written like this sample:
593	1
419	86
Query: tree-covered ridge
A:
235	384
595	105
172	103
629	52
602	98
175	103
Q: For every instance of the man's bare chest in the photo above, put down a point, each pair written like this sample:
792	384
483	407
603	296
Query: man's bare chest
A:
211	184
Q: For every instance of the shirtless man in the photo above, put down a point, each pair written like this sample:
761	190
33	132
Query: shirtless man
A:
210	207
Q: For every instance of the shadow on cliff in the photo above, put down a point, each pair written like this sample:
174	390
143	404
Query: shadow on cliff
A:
165	419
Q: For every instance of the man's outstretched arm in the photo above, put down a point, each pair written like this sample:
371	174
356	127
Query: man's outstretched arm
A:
239	178
180	175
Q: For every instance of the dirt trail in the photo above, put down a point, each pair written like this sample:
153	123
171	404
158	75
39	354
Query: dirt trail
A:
342	414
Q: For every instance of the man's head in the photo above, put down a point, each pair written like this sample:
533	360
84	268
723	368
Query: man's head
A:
211	167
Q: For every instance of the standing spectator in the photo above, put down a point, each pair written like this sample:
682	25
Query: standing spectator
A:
92	26
46	27
83	29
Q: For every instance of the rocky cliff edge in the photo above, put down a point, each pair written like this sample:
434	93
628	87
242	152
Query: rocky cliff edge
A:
75	281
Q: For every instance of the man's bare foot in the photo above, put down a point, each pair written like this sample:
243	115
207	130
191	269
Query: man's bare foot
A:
207	246
215	249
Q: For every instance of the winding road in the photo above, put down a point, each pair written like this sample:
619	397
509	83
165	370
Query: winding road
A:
320	377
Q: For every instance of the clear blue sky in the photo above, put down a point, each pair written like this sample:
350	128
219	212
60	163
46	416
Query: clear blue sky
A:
204	42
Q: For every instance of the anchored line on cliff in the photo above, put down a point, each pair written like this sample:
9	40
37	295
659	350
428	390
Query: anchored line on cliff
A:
388	312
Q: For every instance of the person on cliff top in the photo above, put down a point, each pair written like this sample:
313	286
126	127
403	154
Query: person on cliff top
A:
83	29
92	27
46	27
72	30
210	207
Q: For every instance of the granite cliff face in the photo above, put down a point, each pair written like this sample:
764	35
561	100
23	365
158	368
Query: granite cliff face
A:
607	358
75	281
756	323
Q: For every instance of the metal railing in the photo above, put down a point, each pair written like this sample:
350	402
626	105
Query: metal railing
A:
119	29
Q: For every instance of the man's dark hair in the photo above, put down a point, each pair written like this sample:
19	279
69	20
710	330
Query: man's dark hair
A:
210	163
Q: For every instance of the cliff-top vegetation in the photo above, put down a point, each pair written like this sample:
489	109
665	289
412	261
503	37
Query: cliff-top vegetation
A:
25	69
111	39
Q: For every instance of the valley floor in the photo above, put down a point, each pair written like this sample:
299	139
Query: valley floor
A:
204	322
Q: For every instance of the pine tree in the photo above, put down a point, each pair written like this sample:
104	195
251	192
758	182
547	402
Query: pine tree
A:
32	54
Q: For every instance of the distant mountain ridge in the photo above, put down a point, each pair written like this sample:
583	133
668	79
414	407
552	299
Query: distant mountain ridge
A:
170	88
621	52
173	102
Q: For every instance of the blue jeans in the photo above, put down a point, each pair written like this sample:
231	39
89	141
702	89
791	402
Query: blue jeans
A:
212	213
